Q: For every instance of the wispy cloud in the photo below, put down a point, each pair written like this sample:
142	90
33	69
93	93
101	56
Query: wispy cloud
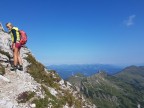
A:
130	21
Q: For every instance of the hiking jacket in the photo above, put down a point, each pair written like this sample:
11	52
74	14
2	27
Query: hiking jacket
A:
15	36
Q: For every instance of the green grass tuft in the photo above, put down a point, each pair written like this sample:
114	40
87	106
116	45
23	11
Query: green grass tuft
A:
2	70
5	53
37	70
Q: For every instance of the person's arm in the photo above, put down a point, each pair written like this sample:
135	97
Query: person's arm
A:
14	34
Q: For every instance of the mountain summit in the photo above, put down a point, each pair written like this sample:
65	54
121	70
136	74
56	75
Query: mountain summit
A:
35	86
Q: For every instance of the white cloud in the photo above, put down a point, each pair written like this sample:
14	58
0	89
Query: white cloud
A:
130	20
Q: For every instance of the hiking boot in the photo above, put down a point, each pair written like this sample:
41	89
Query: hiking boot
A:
13	68
20	67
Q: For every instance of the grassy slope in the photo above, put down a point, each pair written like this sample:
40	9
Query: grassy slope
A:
46	79
115	91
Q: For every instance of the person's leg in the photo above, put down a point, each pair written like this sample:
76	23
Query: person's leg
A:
15	56
19	58
20	67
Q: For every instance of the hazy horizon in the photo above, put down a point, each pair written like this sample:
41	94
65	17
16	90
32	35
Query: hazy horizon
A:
119	65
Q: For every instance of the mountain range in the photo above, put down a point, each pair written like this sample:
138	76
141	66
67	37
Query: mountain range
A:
66	71
121	90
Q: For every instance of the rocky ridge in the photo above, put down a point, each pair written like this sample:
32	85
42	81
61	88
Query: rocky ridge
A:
122	90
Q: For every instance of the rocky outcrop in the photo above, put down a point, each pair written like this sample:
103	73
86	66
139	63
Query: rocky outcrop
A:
35	86
14	83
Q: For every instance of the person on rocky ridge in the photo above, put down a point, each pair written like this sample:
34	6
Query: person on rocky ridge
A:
16	46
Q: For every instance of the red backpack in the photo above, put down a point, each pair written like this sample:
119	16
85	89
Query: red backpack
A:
23	37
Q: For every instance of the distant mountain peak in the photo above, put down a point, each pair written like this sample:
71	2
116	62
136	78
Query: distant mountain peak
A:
102	73
132	67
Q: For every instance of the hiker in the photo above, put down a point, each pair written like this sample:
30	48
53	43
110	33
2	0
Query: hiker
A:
16	46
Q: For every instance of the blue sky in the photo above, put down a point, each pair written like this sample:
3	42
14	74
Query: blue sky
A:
80	31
